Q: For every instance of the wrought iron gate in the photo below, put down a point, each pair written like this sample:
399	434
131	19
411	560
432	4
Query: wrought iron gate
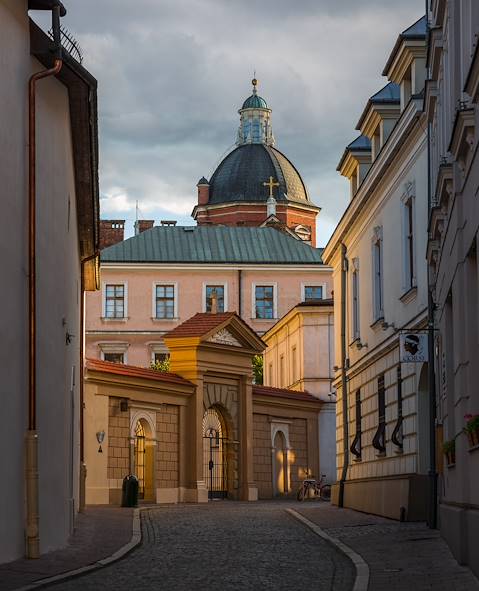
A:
140	458
215	464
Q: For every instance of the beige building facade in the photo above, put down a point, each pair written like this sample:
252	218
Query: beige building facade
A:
66	240
300	357
202	431
380	292
452	93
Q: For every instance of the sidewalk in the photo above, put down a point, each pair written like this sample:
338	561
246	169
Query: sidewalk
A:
401	556
99	533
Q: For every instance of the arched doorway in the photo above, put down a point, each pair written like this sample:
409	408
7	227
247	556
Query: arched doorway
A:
215	454
280	484
144	460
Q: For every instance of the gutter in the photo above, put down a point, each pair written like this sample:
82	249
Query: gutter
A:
344	383
32	533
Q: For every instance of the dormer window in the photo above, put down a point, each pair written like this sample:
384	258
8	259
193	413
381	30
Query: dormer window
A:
406	89
376	143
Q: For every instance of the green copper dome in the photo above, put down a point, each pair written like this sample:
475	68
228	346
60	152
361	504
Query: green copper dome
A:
254	102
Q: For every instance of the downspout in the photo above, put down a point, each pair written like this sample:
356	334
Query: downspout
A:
32	536
432	517
240	287
81	505
344	384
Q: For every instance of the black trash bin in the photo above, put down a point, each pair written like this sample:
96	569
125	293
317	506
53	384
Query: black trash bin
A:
129	491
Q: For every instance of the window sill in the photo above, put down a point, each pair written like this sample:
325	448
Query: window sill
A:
109	319
164	319
398	451
381	454
355	341
266	319
377	323
357	459
473	448
409	295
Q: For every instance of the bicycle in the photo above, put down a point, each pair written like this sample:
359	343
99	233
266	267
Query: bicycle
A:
320	489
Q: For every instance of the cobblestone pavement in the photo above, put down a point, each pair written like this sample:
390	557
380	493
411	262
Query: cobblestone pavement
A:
99	532
223	546
401	556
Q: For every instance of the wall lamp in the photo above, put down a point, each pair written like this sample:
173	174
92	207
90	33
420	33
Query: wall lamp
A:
100	436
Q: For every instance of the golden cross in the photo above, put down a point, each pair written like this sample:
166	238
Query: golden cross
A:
271	184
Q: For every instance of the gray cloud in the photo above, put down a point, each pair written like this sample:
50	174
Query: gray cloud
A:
173	74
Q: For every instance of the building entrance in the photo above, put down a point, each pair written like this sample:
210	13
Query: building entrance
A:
214	455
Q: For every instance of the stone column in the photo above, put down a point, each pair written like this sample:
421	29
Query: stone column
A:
249	490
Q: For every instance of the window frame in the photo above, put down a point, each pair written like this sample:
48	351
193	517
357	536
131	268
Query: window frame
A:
224	285
275	300
104	286
377	268
355	301
312	284
156	284
114	347
409	236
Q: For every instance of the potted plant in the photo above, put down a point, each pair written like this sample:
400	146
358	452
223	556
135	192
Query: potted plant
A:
471	429
449	450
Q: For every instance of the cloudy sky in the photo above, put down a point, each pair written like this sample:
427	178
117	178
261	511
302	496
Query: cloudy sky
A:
173	73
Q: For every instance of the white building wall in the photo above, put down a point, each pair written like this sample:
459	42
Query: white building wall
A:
58	296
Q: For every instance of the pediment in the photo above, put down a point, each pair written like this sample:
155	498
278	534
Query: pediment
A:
224	337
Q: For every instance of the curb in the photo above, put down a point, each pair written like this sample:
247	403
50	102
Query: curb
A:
134	541
362	569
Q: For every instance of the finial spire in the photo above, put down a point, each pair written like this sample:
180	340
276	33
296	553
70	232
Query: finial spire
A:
254	82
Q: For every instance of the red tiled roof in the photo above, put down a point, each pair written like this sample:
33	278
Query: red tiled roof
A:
284	393
199	324
137	372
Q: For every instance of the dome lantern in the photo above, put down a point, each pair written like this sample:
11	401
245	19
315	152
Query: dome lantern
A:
255	120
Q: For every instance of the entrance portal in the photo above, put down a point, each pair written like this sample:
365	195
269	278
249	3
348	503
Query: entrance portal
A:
214	455
144	460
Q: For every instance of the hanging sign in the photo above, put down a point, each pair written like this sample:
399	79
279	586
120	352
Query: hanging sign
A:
413	347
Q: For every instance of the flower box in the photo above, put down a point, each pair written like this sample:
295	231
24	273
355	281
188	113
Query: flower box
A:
471	429
449	450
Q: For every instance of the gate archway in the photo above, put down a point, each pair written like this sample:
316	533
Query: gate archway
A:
215	461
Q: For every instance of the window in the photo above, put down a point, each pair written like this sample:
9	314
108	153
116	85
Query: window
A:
160	357
294	369
264	301
356	444
114	357
312	293
397	434
281	372
409	267
270	374
355	299
115	301
379	439
219	292
377	256
164	301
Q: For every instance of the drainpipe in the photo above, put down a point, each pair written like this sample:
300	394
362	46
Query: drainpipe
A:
432	516
32	537
81	504
344	384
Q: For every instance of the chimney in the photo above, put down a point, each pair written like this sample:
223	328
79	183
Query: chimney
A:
168	222
203	191
111	232
142	225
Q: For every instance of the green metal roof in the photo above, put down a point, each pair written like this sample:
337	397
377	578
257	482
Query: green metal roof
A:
254	102
212	245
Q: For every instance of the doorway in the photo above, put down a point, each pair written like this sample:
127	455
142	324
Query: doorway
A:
280	480
144	460
215	465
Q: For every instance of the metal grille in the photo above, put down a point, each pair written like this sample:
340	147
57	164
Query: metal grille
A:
214	455
140	458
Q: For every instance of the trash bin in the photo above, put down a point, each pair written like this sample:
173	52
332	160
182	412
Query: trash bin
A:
129	491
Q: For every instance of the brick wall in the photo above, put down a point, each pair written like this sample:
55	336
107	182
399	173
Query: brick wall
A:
262	469
167	460
111	232
118	444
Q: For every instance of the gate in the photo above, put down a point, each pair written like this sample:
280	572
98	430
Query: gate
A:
215	465
140	458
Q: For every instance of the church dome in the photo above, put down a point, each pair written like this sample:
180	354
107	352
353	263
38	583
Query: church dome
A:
242	175
254	102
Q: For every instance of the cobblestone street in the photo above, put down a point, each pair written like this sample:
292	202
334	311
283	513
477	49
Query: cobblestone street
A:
223	546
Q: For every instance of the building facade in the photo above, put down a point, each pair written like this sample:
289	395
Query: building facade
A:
300	357
203	432
452	93
66	240
156	280
380	292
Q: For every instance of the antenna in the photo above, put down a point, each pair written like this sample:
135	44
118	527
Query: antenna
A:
137	228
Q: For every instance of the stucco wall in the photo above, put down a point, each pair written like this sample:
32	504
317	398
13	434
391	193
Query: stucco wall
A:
144	332
58	283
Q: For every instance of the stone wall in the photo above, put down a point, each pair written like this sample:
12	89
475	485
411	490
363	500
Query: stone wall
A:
118	448
298	454
167	460
262	469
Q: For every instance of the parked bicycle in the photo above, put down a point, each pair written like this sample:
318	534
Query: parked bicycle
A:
311	487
